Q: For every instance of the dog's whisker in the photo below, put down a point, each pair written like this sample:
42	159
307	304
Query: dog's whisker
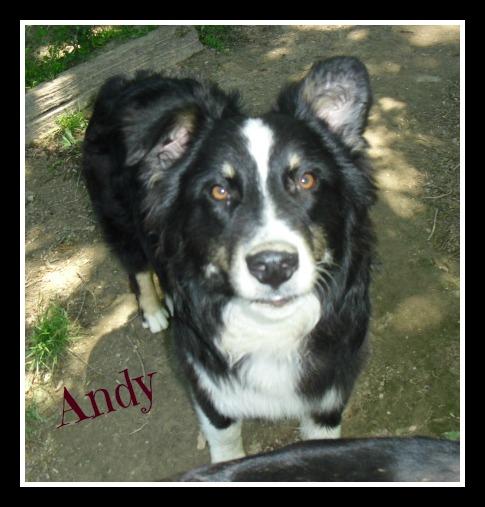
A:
327	263
323	272
323	283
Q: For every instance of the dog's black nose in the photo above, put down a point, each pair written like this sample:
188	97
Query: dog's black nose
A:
272	267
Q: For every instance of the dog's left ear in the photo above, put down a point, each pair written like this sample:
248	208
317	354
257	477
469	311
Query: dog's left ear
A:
163	142
161	135
336	90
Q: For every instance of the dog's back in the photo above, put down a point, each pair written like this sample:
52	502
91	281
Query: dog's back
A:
416	459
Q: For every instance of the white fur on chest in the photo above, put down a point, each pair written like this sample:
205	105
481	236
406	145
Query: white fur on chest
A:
255	328
270	343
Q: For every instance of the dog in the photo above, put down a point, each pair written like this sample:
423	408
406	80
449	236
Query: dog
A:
396	459
258	231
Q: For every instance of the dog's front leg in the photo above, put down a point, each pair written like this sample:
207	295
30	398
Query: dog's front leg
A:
154	315
319	425
222	433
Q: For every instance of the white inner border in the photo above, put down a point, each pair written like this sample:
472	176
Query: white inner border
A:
354	22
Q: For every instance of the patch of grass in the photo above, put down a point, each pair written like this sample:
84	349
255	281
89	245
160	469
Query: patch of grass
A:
49	339
73	121
71	129
452	435
49	50
32	419
55	166
218	37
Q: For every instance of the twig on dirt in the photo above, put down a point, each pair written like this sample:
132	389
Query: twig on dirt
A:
71	202
84	296
138	354
135	316
141	427
82	306
30	282
434	225
77	182
437	196
48	263
50	179
91	367
144	374
89	290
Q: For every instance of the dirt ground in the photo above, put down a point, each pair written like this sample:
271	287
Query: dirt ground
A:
411	383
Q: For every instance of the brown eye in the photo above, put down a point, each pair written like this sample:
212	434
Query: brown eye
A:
307	181
219	193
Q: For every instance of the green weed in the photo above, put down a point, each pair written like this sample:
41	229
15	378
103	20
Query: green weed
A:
71	128
49	339
452	435
217	37
32	419
49	50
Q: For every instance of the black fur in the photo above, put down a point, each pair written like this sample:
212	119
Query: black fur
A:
417	459
150	154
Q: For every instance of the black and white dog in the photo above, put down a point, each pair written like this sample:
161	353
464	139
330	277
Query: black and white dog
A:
258	230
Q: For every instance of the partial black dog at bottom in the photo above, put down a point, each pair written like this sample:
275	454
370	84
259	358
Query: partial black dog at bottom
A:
397	459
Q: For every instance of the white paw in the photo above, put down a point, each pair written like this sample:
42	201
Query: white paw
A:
157	321
309	430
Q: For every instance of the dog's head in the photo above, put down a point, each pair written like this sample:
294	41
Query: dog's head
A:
259	207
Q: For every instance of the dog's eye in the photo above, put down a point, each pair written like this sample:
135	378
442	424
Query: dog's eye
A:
220	193
307	181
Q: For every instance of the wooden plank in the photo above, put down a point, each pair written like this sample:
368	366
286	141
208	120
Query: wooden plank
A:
75	88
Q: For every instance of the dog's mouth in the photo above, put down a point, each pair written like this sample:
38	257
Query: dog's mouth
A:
276	302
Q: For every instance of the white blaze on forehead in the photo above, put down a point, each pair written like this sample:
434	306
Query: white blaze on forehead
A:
228	171
273	231
259	143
